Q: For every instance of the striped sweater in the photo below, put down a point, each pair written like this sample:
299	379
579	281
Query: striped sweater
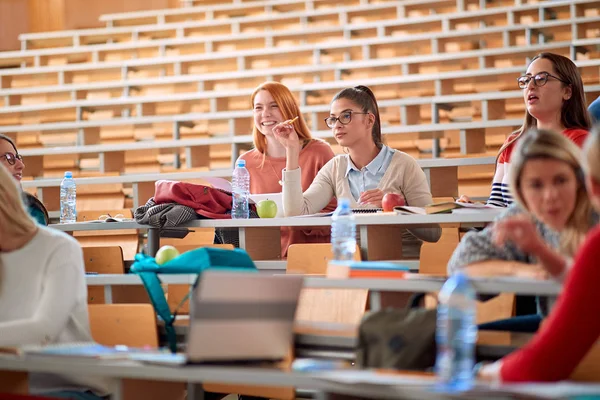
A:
500	195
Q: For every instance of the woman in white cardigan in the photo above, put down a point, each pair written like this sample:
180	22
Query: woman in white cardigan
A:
365	174
43	294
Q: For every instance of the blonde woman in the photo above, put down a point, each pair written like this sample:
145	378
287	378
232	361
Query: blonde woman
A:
43	294
573	326
548	187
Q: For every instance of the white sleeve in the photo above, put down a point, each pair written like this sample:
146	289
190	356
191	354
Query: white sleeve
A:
63	277
316	197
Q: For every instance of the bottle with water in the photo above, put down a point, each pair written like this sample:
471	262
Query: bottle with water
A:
240	187
456	334
343	232
68	200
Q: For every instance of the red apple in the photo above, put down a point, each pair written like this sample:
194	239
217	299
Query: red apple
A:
391	200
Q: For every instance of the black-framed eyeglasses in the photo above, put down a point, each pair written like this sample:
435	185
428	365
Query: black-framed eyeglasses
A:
538	79
12	158
345	118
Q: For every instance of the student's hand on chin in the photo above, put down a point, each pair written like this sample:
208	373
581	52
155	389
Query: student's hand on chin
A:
520	231
286	135
372	197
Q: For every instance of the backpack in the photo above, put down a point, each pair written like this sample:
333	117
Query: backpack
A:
398	338
191	262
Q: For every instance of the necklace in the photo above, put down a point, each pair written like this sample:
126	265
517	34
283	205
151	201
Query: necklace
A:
280	179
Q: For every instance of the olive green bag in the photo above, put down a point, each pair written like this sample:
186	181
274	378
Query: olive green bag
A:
398	338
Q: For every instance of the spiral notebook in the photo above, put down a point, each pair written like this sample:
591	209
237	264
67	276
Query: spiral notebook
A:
354	211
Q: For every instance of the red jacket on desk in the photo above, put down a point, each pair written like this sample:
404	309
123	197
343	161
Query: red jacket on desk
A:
205	200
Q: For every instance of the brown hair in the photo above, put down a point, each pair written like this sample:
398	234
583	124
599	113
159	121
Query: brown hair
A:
9	140
540	144
289	110
573	113
363	97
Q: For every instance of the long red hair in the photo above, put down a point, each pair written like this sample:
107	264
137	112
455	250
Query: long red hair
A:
289	109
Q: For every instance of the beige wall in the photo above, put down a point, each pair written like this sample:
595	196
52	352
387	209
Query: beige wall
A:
19	16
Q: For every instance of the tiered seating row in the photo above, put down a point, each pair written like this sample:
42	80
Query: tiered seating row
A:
214	42
255	8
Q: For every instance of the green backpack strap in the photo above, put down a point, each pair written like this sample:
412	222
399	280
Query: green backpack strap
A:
191	262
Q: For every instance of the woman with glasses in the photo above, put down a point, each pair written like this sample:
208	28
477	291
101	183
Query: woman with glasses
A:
365	174
273	103
42	293
555	101
12	160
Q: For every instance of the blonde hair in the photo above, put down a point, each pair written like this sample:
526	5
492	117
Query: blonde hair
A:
536	144
16	221
591	154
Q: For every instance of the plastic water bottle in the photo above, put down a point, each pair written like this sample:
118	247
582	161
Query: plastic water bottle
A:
343	232
240	186
68	199
456	334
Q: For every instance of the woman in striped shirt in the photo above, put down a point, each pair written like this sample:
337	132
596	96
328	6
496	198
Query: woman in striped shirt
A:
554	100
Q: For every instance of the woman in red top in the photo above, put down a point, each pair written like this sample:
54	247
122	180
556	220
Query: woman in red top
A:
273	103
555	100
574	324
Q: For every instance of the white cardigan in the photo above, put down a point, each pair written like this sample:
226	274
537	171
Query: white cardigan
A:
404	175
43	300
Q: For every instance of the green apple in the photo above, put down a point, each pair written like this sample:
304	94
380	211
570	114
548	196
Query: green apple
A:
166	254
266	209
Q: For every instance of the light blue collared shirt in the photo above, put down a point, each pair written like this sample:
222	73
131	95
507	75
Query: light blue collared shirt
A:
369	177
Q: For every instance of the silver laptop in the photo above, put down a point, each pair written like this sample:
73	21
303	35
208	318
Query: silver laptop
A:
239	317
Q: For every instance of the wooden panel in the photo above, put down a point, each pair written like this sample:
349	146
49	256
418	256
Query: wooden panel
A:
383	242
261	243
14	382
435	256
46	15
102	260
132	325
13	21
311	258
127	324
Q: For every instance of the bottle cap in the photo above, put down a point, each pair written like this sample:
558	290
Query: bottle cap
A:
68	174
241	163
344	202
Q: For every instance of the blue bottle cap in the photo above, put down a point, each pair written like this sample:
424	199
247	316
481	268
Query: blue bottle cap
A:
68	174
241	163
344	202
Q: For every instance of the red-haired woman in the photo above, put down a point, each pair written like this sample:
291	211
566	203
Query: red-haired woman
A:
273	103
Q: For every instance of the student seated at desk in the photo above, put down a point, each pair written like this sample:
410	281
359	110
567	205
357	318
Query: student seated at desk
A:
273	103
555	100
12	160
548	187
43	294
364	175
573	326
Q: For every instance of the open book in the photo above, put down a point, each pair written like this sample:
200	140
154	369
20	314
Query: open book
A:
438	208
